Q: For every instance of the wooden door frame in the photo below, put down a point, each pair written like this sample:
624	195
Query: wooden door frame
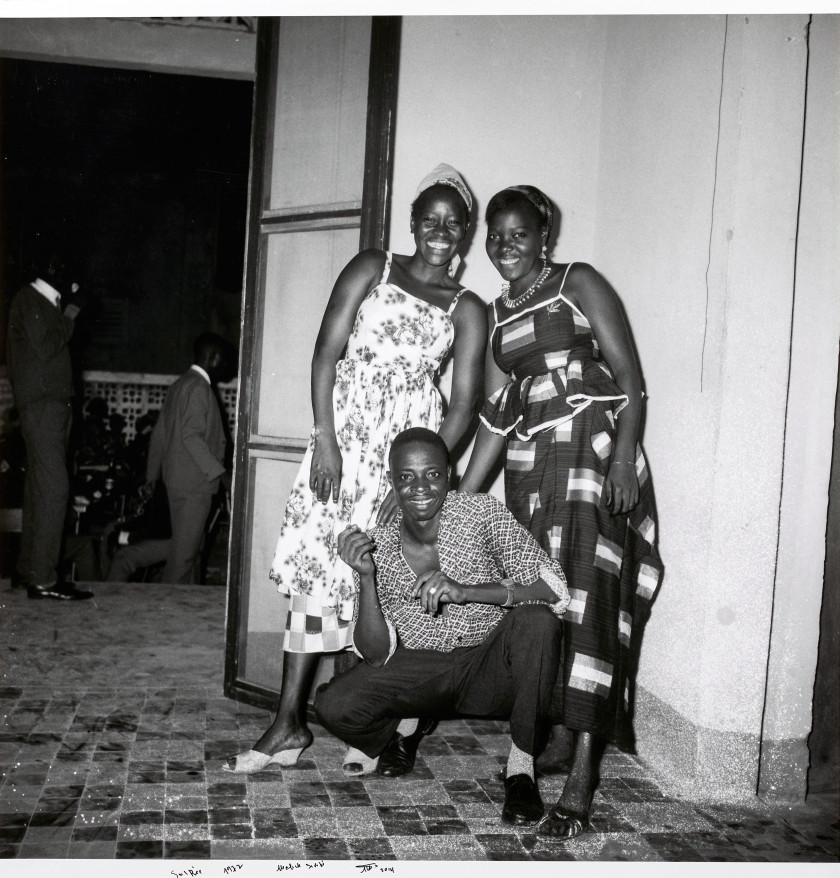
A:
374	224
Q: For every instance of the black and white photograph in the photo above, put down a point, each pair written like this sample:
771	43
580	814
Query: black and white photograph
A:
418	438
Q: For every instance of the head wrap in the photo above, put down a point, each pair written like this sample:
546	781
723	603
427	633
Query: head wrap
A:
539	199
505	199
446	175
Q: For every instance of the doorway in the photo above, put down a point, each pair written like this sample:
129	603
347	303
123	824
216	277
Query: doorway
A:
321	162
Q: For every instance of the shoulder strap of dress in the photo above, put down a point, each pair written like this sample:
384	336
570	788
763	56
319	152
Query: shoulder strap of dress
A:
495	306
567	301
387	269
538	305
454	301
563	284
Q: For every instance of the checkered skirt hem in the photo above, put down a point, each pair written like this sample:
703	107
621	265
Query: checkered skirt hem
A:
311	627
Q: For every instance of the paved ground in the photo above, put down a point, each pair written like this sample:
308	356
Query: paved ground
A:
114	729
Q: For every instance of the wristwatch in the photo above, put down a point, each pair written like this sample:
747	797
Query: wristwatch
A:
510	585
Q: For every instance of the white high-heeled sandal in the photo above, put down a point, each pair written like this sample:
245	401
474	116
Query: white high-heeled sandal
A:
252	760
361	762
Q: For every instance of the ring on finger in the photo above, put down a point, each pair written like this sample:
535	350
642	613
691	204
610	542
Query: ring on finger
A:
432	590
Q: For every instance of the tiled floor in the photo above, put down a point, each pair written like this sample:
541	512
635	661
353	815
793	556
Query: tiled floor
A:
114	729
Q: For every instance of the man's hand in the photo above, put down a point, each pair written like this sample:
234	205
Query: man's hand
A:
354	548
434	588
146	491
76	300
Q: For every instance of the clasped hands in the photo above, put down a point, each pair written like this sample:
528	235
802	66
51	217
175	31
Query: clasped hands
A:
431	588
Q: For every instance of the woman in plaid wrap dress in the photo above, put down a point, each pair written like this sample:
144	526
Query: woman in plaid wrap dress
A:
564	401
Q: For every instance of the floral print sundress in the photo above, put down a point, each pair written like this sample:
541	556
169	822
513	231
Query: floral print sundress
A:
384	385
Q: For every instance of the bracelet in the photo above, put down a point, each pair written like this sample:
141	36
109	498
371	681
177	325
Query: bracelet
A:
509	585
623	463
316	432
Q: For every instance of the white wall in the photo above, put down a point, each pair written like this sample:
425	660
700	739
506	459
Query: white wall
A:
654	208
467	97
672	146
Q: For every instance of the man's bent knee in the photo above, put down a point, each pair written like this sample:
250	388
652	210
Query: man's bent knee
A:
536	618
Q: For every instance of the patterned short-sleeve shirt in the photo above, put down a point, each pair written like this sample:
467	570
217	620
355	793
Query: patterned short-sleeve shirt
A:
478	541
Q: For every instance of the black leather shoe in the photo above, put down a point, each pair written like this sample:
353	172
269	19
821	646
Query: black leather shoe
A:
400	752
18	580
523	805
58	591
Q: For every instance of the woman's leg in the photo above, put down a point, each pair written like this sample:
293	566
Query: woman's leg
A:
289	729
577	793
570	815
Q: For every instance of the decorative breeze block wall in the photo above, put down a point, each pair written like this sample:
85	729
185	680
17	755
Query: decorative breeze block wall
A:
131	394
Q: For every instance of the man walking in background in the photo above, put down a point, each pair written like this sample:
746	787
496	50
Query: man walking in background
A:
187	450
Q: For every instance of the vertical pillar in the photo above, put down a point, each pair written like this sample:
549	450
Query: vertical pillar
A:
808	435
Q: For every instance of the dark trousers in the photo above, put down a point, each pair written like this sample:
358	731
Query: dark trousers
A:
45	425
511	674
128	560
188	514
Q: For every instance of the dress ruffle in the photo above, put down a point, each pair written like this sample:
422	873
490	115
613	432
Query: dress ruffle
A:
539	402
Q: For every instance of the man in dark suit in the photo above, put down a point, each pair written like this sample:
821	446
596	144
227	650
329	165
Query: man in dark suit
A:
187	450
42	382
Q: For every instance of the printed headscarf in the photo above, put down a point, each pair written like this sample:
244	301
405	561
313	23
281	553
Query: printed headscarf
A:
446	175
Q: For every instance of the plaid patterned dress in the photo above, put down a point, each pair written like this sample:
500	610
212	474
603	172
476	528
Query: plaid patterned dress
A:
558	415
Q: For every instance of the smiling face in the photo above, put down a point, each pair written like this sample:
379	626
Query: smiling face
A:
439	221
515	238
420	478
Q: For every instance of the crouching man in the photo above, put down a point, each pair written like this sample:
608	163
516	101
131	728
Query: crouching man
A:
457	614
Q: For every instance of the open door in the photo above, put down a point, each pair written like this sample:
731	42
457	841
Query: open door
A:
322	136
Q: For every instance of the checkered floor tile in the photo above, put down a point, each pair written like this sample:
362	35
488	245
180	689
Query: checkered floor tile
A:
114	730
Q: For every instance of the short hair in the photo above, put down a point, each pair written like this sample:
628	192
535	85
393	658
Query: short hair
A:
208	343
515	196
420	435
436	191
50	257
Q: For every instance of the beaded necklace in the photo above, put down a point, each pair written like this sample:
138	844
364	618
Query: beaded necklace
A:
523	297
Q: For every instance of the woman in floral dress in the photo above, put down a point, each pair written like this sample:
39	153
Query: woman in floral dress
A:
564	402
390	322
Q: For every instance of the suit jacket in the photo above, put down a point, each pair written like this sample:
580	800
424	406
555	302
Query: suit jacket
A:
39	361
187	446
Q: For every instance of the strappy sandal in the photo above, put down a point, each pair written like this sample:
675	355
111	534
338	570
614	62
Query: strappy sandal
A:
570	823
252	761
